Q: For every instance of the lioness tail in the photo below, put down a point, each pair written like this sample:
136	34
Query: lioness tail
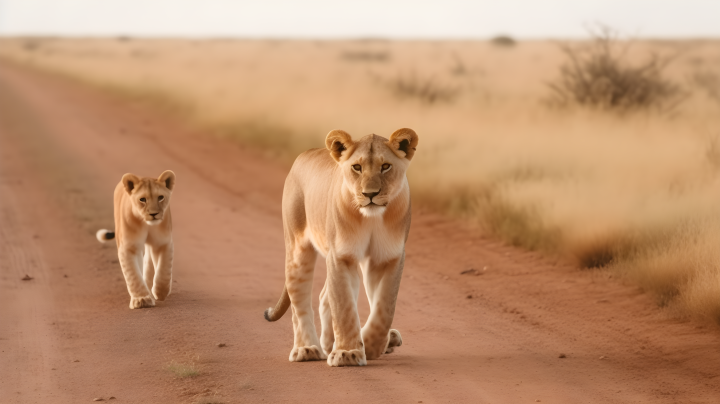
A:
274	314
104	235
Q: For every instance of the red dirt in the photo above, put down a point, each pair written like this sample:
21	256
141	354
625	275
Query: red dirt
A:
67	336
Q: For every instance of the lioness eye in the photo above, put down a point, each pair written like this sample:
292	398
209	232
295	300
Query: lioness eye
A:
385	167
357	167
143	200
160	198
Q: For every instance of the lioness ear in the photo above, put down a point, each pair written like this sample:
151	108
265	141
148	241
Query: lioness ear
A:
130	181
403	143
167	178
338	142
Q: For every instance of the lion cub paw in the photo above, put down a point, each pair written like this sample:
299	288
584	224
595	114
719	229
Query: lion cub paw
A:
141	302
394	340
307	353
339	357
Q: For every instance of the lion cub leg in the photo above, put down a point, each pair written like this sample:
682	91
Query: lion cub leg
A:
382	283
130	260
343	283
299	268
162	257
148	267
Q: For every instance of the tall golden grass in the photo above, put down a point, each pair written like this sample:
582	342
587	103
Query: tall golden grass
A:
634	192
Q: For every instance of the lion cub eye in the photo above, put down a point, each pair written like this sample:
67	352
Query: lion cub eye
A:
160	198
386	167
143	200
357	167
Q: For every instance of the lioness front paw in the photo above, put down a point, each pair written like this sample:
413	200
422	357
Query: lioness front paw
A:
307	353
340	357
141	302
394	340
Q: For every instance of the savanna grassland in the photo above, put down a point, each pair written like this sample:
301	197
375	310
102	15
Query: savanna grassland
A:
632	188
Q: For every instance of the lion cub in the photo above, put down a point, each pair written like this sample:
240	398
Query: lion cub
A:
143	232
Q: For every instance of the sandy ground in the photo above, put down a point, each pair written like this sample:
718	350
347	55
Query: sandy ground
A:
67	336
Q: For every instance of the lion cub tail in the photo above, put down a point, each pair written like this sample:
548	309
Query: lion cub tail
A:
274	314
104	235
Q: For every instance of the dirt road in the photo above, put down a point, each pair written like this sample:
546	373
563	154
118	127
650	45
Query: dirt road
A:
67	336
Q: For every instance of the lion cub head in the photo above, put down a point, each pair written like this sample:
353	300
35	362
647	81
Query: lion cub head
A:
149	197
373	167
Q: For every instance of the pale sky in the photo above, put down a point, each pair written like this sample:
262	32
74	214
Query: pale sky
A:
359	19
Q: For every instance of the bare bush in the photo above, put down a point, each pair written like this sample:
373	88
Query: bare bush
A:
597	75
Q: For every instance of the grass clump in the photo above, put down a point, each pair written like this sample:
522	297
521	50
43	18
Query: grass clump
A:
425	89
183	370
598	75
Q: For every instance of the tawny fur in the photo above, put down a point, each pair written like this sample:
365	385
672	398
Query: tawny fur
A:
143	232
349	202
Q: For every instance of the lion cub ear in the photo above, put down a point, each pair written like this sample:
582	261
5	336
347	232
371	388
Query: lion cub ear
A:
168	179
403	143
338	142
130	181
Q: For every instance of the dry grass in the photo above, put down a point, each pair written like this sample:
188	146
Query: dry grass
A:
183	369
634	193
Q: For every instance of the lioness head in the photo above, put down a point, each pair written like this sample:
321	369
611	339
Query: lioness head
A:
373	168
149	197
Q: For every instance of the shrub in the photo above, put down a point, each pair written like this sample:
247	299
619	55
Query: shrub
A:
597	75
503	40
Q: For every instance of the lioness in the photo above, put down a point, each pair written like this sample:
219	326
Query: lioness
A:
350	203
143	227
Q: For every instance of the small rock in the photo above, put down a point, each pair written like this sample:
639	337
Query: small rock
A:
562	356
76	360
419	401
65	276
603	357
537	401
469	297
222	345
99	399
27	278
112	398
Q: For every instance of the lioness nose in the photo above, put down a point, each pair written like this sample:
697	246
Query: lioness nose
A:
153	215
371	194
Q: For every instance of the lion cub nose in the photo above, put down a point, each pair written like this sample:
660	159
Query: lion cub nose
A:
371	194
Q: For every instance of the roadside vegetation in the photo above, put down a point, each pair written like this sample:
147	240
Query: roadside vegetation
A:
602	151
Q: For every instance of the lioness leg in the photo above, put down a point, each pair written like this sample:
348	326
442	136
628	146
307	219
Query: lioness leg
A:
162	257
299	268
327	337
382	282
130	260
148	267
343	282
